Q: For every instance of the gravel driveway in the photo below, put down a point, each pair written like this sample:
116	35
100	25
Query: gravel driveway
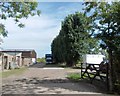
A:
40	80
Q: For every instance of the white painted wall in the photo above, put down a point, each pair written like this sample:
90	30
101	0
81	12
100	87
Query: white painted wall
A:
33	60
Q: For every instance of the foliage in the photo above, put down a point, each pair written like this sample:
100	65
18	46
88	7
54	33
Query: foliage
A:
73	40
12	72
2	30
117	87
41	60
105	18
17	11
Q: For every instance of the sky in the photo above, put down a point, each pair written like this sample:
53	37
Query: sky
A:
39	31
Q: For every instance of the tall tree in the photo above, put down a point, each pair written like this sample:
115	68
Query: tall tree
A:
105	18
73	40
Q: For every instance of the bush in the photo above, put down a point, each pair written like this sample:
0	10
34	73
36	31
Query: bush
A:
41	60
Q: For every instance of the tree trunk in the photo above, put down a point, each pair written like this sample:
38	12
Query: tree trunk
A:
69	63
111	71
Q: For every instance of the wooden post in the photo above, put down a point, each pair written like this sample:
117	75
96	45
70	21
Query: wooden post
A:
107	76
111	81
81	70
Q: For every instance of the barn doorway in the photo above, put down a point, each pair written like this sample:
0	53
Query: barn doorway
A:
5	62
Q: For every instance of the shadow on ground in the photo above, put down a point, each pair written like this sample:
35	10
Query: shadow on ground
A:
48	86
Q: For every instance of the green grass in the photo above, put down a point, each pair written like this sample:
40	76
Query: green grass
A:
74	76
86	76
41	60
77	76
12	72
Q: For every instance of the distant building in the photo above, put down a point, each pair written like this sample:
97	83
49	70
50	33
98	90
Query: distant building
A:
17	58
48	58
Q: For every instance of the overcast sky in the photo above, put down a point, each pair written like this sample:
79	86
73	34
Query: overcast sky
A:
39	30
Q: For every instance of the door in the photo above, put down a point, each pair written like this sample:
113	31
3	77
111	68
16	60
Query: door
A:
22	61
5	62
18	60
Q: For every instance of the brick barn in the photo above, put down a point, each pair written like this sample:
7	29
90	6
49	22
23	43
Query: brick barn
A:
17	58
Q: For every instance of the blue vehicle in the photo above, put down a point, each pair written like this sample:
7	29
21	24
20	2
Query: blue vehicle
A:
48	58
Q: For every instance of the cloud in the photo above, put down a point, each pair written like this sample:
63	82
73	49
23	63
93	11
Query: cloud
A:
38	33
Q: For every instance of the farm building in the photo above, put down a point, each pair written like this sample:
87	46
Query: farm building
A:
17	58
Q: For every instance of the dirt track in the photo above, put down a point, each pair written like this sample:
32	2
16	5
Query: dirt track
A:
40	80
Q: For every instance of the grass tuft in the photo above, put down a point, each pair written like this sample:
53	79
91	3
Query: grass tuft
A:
74	76
16	72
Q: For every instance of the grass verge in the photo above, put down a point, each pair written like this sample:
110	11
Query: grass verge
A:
74	76
77	76
8	73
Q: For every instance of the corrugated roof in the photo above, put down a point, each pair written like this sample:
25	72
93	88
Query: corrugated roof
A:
20	50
